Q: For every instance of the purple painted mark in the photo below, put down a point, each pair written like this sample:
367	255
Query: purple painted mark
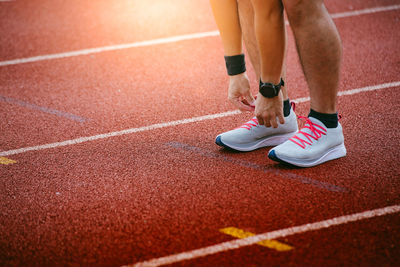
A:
254	166
43	109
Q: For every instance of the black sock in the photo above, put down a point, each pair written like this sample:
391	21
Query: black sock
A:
286	108
329	120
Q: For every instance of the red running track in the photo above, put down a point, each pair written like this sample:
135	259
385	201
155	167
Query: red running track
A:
154	192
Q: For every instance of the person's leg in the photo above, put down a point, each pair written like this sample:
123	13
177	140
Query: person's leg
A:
319	48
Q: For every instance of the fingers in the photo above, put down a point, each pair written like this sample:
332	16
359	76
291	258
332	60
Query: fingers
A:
269	111
250	99
239	92
261	121
267	119
281	118
242	105
270	119
273	121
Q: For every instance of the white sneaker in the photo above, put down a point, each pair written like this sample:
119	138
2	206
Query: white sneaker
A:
251	135
312	145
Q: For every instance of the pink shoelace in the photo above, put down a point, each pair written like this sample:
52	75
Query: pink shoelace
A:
252	123
317	131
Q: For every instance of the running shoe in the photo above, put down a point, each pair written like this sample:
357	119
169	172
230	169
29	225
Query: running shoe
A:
251	135
312	145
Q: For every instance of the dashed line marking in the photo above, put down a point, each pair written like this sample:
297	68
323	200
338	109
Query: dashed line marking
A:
272	244
7	161
172	39
240	243
174	123
58	113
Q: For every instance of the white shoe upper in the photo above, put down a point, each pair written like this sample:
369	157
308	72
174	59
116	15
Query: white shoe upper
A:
311	145
251	135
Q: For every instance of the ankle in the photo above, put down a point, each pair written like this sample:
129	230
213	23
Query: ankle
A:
330	120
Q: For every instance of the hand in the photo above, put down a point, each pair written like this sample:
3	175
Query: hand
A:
268	109
239	92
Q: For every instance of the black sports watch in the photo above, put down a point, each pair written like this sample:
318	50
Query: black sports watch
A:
270	90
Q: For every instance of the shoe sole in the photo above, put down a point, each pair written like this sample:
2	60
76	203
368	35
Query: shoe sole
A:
264	142
336	152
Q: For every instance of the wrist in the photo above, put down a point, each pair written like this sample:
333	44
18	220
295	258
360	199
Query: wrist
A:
270	90
237	76
235	64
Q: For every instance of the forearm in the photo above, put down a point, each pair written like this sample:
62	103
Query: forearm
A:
270	35
227	20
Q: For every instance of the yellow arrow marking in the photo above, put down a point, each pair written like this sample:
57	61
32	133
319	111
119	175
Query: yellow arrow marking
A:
273	244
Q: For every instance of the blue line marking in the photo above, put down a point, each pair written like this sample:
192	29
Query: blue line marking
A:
254	166
43	109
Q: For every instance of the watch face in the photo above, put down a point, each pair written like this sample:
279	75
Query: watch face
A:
268	90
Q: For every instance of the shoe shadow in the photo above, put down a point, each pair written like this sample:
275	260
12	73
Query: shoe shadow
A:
276	165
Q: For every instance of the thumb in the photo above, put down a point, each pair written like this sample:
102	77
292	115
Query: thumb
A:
250	99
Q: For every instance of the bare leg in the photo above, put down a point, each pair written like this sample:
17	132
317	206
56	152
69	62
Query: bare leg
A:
246	15
319	48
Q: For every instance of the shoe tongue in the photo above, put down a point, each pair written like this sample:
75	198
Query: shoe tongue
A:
253	120
317	121
250	124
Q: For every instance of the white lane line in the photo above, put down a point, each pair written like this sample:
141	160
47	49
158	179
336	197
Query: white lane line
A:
239	243
118	133
174	123
167	40
364	11
356	91
110	48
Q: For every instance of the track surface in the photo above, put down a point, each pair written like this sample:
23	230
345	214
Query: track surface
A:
142	193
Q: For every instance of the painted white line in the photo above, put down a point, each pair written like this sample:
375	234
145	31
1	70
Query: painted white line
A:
356	91
110	48
369	88
239	243
118	133
173	123
364	11
168	40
